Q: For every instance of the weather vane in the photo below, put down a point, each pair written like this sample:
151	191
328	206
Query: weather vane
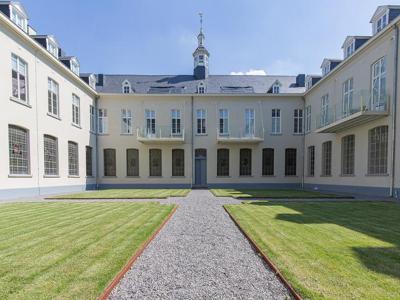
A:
201	21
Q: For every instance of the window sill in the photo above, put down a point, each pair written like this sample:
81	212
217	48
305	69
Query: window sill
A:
103	134
310	176
51	176
74	176
155	177
16	100
244	176
76	125
20	176
128	134
178	176
89	176
325	175
347	175
105	176
291	176
54	116
132	176
376	175
223	176
276	134
268	175
298	134
201	134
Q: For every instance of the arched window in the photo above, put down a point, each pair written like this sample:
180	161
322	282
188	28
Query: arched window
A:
19	157
201	89
126	87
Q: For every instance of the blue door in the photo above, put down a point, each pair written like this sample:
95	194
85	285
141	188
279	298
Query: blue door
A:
200	167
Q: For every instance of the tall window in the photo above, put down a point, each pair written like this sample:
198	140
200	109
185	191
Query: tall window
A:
126	87
327	158
347	103
92	118
155	162
178	162
223	162
276	121
89	161
311	160
76	110
379	84
324	110
223	121
150	121
377	150
73	159
103	121
19	78
308	118
245	162
50	155
132	162
110	167
290	162
201	121
268	162
349	50
18	145
249	122
348	155
176	121
298	121
52	97
126	121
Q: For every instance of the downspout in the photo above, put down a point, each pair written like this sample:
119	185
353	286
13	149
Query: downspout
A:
192	139
304	143
394	110
96	139
37	123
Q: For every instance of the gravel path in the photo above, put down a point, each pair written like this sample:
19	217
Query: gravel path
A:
200	254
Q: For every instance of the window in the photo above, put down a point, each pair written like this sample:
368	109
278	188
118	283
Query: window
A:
73	159
311	160
76	113
126	121
379	85
347	104
326	159
377	150
324	110
75	66
132	162
326	68
89	161
150	122
201	89
18	18
349	49
249	122
201	121
275	89
348	155
298	121
276	121
308	118
50	155
53	93
223	122
176	121
103	121
178	162
18	145
290	162
19	78
381	23
245	162
309	83
52	48
268	162
155	162
92	119
110	168
126	87
223	162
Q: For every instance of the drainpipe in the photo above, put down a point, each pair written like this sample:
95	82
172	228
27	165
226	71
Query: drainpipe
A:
394	109
304	143
192	137
37	124
96	140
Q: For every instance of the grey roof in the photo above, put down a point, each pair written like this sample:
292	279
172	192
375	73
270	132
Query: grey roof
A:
187	84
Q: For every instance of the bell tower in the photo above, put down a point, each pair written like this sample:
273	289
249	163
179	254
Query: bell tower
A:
201	55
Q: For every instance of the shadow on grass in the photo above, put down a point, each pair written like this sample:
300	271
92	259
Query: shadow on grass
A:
380	220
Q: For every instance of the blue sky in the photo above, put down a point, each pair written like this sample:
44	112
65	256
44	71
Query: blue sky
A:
158	36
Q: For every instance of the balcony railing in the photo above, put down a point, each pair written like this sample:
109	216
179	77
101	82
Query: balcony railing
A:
161	134
241	135
353	111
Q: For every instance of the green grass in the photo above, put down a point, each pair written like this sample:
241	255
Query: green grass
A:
271	193
70	250
332	250
127	194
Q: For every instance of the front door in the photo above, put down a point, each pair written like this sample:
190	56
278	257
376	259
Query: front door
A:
200	175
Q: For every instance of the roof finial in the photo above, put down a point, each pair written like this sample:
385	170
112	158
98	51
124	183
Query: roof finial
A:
201	21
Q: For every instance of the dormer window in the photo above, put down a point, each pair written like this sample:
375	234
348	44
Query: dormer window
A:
92	80
126	87
308	82
381	23
52	48
201	89
75	66
326	68
275	89
18	17
349	49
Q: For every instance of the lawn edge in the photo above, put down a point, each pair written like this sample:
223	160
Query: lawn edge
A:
266	259
110	287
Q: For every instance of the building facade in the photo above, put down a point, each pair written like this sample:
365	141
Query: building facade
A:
66	131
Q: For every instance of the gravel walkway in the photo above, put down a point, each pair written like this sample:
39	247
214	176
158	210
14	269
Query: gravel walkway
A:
200	254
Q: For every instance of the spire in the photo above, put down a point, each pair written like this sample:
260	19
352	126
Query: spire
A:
201	37
201	54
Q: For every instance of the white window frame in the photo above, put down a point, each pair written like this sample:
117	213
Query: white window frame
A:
102	126
308	118
223	121
18	18
326	68
349	49
378	80
126	121
92	111
201	115
276	121
76	110
126	87
150	116
382	22
275	88
53	100
298	115
52	47
75	66
176	122
324	110
201	88
347	99
250	122
19	66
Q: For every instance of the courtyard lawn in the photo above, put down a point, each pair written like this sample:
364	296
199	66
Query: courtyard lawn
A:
70	250
331	250
126	194
270	193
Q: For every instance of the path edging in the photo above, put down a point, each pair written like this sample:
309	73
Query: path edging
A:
266	259
110	287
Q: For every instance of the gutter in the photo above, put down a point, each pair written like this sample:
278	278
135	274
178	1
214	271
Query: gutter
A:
393	193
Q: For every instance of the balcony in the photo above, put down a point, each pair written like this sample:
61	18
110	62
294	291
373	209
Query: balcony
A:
160	135
241	136
357	111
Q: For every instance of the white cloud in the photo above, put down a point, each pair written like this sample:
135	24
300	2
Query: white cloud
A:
250	72
285	67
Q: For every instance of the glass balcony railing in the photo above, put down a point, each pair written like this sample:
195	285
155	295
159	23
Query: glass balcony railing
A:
242	134
161	133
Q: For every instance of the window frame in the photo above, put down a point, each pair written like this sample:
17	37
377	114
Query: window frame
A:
298	121
132	171
23	167
178	171
150	117
347	97
203	121
223	163
268	156
126	121
109	170
381	78
176	122
378	151
245	153
53	105
18	62
276	127
326	159
154	168
102	124
324	119
311	161
76	110
348	155
250	122
89	161
73	171
308	119
50	167
223	121
290	164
